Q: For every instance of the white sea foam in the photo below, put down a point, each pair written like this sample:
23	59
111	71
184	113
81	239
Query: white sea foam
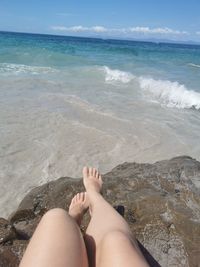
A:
117	75
194	65
15	69
170	93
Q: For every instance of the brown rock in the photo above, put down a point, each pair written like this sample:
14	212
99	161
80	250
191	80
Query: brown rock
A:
161	201
8	258
7	231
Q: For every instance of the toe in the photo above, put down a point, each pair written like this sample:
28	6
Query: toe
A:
90	171
73	200
94	172
82	196
77	197
85	171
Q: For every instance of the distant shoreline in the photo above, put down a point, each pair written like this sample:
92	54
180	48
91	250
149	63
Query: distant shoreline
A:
153	41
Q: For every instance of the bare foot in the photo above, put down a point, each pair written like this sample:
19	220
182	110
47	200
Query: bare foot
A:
78	206
92	180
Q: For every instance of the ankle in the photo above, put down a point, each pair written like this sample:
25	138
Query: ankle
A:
94	198
93	194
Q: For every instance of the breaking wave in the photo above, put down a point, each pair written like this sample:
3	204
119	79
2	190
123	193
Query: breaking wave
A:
194	65
117	75
172	94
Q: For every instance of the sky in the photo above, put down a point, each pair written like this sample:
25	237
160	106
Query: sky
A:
177	20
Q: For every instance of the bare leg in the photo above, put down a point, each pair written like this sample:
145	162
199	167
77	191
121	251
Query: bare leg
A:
57	241
108	237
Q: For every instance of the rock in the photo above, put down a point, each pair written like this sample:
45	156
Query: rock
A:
7	231
22	215
8	258
160	201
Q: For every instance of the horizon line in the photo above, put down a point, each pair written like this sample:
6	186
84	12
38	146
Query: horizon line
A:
153	40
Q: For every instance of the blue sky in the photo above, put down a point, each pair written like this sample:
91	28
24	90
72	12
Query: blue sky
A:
141	19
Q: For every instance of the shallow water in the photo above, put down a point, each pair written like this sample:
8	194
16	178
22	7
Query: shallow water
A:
66	102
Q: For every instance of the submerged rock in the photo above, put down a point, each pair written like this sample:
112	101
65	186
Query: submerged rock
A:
161	201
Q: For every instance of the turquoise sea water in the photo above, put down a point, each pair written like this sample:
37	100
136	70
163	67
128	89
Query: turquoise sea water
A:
66	102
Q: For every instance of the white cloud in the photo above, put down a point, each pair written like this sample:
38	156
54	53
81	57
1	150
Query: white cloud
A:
130	30
79	28
70	29
156	30
198	33
99	29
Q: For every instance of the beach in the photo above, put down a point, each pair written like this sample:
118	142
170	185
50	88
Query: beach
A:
66	102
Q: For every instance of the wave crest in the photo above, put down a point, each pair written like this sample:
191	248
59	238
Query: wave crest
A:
170	93
117	75
194	65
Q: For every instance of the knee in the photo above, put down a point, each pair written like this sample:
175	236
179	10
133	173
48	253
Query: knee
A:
55	213
115	236
118	239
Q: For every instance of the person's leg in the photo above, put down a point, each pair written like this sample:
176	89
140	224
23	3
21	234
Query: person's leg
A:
57	241
108	237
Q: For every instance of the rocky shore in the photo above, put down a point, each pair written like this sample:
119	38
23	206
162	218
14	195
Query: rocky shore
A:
161	201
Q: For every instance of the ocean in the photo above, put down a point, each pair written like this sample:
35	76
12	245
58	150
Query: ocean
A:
66	102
